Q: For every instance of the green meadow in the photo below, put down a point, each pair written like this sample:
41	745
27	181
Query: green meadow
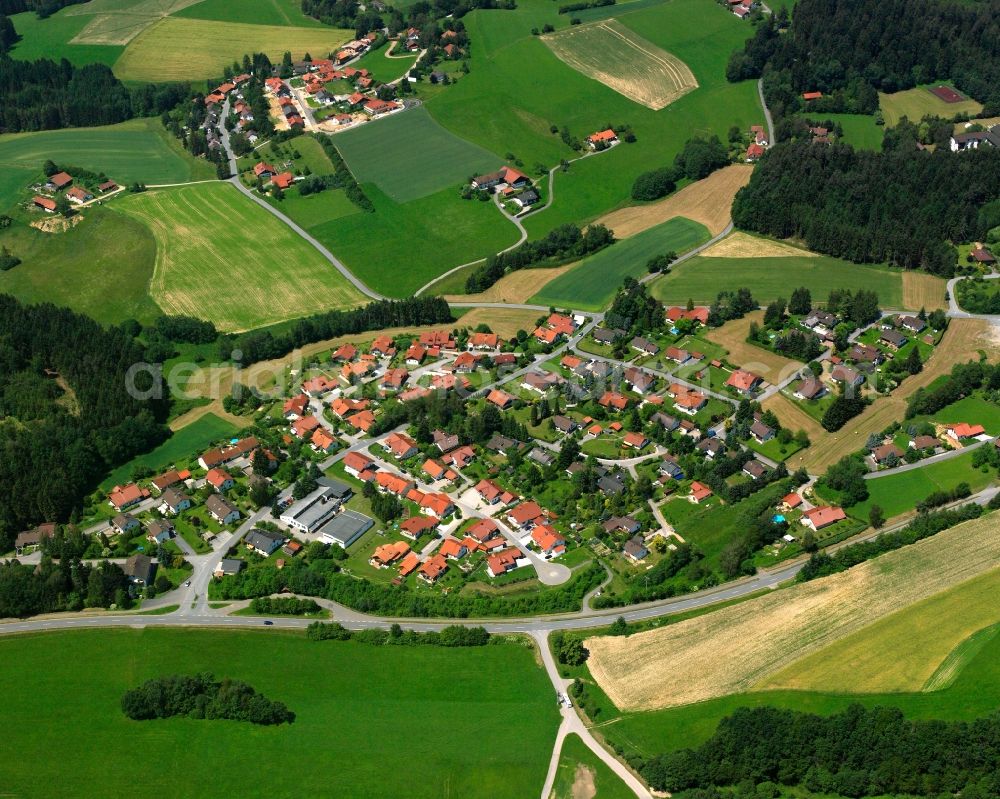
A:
515	71
251	12
592	284
703	277
900	492
408	155
975	692
50	38
183	446
401	247
578	765
418	721
137	150
100	267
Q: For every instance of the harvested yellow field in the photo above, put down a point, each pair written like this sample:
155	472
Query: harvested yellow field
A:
622	60
180	49
733	649
221	257
706	201
902	651
743	245
516	287
921	290
732	335
503	321
793	417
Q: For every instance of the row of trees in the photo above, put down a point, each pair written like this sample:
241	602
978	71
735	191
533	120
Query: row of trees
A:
260	345
859	752
454	635
202	697
927	523
698	159
963	379
565	243
901	207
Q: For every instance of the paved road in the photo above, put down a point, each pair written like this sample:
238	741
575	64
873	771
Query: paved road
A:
329	256
767	112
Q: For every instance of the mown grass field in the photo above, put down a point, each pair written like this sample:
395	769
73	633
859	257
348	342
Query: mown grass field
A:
43	38
370	721
137	150
221	257
409	156
251	12
516	72
194	49
582	774
702	278
186	443
974	693
592	284
916	103
904	651
620	59
732	650
898	493
401	247
100	267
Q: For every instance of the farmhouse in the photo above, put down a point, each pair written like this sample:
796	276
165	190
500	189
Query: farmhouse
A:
502	178
47	204
60	180
602	139
78	195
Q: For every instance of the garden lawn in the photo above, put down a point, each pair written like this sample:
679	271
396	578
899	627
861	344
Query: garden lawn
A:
100	267
222	257
412	705
177	49
507	103
900	492
408	156
401	247
184	445
702	278
137	150
592	284
384	68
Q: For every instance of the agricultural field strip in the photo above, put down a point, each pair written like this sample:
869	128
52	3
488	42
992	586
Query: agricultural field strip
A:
732	649
600	50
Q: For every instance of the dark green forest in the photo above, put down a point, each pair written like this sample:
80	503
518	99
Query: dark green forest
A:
851	49
56	445
902	206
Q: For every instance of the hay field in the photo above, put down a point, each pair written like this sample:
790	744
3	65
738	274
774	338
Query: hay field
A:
221	257
963	341
504	321
517	286
919	102
622	60
902	651
181	49
793	417
743	245
707	201
118	23
732	336
921	290
735	648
